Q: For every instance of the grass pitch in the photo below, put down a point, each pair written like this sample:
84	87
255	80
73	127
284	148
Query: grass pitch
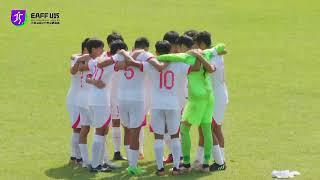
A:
272	72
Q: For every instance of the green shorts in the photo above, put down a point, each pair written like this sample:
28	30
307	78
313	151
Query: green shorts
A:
198	111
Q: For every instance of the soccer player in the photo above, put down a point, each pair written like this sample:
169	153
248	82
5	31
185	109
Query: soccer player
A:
141	45
203	41
99	106
72	107
198	110
116	130
167	81
88	68
132	104
171	37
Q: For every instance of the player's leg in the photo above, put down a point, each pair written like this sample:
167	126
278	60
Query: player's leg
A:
74	114
124	120
85	128
218	118
101	119
199	155
75	145
219	134
126	140
136	117
186	144
167	140
141	139
116	132
216	153
158	122
207	147
173	123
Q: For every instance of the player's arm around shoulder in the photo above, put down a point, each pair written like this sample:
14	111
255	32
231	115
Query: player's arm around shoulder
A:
159	66
97	83
74	66
83	60
105	62
129	61
206	65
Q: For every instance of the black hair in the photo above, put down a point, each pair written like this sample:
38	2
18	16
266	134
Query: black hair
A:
204	37
171	36
185	40
163	47
83	44
141	43
94	43
114	36
117	45
191	33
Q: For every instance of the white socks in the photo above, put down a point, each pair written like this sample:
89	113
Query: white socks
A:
116	138
141	140
75	149
158	149
176	151
216	153
104	157
105	153
84	153
134	155
200	155
127	151
97	148
167	140
222	153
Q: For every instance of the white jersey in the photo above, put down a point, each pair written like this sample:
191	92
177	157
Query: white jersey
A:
75	85
218	81
132	80
101	97
84	89
167	85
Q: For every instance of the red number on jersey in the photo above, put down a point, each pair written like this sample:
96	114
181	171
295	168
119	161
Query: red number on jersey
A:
129	73
164	79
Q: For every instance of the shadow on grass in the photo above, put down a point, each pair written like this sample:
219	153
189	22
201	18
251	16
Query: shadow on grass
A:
71	172
68	171
150	168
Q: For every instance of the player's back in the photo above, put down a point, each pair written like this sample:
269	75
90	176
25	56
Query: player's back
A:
168	85
132	81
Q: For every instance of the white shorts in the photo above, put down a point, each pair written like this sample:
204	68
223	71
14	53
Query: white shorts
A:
218	112
74	115
85	116
101	116
115	114
160	118
132	113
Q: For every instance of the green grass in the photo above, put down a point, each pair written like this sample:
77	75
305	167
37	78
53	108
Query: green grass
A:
272	121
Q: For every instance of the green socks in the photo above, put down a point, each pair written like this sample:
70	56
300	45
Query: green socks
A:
186	143
206	129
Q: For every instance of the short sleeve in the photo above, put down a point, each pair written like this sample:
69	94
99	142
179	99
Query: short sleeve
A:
117	57
148	56
185	68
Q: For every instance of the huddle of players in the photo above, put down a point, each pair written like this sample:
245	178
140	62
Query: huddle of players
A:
120	86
